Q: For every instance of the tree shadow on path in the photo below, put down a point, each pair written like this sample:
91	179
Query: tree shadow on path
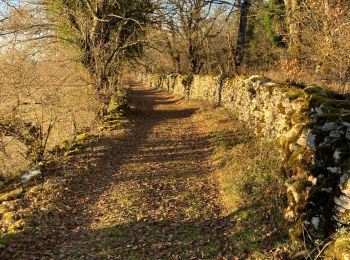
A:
166	159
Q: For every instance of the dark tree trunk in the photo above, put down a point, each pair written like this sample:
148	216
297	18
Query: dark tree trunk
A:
175	57
195	59
241	40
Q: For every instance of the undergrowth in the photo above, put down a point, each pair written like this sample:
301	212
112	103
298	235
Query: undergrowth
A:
251	185
22	204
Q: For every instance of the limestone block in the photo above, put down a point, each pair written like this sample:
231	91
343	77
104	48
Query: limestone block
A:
274	110
31	176
329	126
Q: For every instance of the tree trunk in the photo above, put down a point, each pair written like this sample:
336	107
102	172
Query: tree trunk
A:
241	40
104	94
293	28
175	57
195	59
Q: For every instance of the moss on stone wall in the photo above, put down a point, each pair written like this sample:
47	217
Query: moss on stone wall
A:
312	125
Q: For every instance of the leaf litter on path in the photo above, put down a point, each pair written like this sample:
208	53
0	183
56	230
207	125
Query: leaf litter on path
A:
149	195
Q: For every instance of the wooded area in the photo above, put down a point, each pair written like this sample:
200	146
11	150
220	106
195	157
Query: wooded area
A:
303	42
64	64
296	41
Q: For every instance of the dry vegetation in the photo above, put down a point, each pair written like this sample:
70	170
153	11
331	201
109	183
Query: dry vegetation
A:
62	68
321	49
62	65
44	92
300	41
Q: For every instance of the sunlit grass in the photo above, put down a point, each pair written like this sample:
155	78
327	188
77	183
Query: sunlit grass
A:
251	184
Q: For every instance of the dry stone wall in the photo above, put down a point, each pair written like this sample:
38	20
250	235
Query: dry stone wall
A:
312	126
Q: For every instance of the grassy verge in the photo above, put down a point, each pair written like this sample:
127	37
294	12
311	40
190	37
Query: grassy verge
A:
251	185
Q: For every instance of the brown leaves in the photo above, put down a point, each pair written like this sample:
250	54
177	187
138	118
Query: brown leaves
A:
150	195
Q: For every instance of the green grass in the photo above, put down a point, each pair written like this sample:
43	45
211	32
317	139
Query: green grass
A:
251	185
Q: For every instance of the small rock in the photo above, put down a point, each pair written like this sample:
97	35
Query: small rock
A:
302	140
311	138
328	190
312	179
337	155
334	133
31	176
340	209
289	215
345	185
286	102
334	169
343	201
329	126
315	222
319	110
347	134
292	147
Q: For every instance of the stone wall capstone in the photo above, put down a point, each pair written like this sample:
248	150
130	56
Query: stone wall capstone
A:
312	126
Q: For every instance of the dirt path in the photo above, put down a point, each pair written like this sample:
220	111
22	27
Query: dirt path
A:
145	194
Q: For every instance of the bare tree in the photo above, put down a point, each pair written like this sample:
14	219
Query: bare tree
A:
105	32
190	24
39	88
324	33
242	7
